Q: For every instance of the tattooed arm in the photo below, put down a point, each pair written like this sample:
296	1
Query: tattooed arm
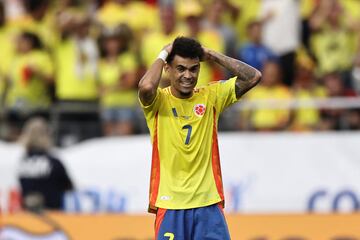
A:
247	76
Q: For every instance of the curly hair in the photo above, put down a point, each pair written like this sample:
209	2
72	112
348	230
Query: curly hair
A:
187	48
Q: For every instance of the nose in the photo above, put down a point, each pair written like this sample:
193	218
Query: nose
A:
187	74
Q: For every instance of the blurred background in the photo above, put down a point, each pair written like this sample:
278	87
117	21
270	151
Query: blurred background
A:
73	137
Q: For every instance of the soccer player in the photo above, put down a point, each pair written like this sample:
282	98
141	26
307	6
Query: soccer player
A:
186	191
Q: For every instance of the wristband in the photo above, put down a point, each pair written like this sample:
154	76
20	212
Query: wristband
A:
163	55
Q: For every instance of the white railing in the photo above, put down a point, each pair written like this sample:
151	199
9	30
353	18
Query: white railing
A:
333	103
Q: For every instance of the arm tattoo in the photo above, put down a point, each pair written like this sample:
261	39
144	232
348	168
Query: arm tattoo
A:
247	76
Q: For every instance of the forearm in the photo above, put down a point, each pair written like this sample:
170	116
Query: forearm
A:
247	76
150	82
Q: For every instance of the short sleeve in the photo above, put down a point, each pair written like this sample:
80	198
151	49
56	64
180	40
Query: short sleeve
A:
225	94
151	109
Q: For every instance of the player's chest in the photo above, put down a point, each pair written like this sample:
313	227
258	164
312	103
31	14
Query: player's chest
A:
187	111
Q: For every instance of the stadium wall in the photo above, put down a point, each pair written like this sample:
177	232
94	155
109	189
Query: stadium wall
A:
263	173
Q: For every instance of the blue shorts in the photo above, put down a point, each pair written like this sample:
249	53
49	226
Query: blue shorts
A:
202	223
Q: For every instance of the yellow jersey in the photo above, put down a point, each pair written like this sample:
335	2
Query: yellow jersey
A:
74	83
185	159
28	91
109	74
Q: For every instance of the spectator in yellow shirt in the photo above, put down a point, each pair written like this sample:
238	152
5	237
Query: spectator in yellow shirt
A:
76	58
117	80
331	41
275	116
40	20
306	88
30	79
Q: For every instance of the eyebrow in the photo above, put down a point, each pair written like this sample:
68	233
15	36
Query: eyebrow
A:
195	65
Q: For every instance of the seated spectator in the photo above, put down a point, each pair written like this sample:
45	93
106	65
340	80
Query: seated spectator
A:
43	178
306	88
339	118
275	116
117	80
254	52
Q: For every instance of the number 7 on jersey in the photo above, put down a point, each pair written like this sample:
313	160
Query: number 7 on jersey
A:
189	128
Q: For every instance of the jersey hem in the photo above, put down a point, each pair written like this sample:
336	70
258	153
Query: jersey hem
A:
190	207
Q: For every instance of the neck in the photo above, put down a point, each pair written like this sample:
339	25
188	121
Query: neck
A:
180	95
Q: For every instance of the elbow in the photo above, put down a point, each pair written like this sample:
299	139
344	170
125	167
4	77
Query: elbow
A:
146	87
257	78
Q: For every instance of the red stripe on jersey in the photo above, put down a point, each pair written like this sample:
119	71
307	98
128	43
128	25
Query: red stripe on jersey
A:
216	161
155	169
160	215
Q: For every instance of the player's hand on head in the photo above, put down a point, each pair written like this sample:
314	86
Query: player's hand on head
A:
168	47
207	55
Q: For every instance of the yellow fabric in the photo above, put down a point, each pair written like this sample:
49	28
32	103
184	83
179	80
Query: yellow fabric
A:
306	8
142	16
186	174
214	41
109	75
31	93
351	8
153	43
44	29
249	12
2	86
307	118
351	17
70	86
138	15
6	54
266	118
7	49
332	49
111	14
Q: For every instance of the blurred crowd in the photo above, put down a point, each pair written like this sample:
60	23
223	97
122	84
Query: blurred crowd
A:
77	63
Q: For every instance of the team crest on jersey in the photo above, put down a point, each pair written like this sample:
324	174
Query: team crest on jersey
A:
199	110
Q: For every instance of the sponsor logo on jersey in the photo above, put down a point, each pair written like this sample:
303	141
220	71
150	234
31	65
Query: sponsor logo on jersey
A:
199	110
165	198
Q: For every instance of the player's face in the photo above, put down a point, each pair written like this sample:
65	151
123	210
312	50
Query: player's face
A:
183	73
